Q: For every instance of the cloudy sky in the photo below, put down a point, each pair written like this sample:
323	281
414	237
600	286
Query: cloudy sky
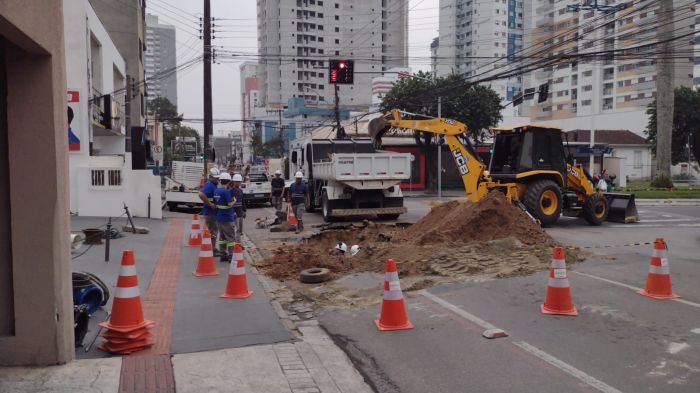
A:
237	32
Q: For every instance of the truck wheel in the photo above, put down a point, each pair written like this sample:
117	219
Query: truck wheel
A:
326	208
543	201
172	206
595	209
387	216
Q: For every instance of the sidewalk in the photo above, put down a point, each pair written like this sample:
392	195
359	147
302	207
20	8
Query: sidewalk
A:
203	343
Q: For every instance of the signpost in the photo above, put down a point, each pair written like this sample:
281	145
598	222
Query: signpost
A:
157	152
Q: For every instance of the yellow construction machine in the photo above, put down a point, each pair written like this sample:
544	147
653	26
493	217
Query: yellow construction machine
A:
528	165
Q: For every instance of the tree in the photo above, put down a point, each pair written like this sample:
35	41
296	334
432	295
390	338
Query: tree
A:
257	145
275	146
479	107
686	125
164	110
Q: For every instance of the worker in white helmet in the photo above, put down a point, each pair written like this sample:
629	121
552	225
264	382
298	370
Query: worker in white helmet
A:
299	197
206	194
277	187
225	215
339	250
238	207
354	250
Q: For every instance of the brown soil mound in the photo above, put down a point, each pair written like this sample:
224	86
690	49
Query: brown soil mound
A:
489	219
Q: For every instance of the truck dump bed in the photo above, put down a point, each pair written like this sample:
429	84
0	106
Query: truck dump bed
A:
366	168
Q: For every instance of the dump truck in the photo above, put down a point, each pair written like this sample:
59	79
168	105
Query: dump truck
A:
348	177
528	165
182	187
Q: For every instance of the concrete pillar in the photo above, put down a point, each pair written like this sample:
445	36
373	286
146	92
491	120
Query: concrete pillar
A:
40	306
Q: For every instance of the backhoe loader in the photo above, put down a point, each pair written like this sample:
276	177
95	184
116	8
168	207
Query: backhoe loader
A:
528	165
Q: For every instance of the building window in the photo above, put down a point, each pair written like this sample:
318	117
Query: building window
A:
115	177
98	178
337	17
103	178
637	159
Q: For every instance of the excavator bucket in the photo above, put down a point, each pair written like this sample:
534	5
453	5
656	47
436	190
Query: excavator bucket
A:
621	207
377	128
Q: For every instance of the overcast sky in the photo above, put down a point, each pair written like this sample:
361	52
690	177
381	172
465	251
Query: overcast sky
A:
240	35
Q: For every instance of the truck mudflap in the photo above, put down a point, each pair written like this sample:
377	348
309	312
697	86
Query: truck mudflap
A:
368	212
621	208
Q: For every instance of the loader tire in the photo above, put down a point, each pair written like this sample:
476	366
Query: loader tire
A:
543	200
595	209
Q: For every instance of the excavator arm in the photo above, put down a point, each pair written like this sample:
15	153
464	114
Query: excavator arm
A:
473	172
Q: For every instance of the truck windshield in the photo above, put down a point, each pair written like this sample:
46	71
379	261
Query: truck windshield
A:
258	178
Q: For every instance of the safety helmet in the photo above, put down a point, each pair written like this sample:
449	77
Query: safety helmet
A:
299	175
225	176
341	246
278	172
237	177
354	249
214	172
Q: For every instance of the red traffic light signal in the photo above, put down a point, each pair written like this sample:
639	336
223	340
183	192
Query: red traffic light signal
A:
341	71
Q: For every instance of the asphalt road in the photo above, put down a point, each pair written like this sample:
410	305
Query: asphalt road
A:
620	342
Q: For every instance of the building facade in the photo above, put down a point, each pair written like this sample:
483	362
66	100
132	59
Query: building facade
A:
36	313
125	22
161	60
479	38
297	37
696	46
607	92
102	177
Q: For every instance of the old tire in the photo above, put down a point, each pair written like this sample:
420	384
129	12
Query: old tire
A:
595	209
326	208
543	200
314	275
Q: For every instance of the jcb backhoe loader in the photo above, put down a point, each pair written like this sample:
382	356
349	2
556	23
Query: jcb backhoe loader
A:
528	165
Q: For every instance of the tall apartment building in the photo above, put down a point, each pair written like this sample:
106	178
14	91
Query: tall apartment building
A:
296	39
610	92
478	38
696	41
160	56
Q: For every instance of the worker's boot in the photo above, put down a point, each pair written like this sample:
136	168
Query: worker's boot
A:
224	256
300	226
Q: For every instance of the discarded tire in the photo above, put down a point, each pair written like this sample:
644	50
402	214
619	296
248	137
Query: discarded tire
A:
314	275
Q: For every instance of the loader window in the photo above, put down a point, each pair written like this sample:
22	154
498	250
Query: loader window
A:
548	150
505	153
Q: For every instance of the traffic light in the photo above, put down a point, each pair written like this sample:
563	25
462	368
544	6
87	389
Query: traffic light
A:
543	93
341	72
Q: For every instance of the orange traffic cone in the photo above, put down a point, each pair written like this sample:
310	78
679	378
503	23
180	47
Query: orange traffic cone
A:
127	330
558	299
205	263
291	218
393	315
659	276
195	239
237	284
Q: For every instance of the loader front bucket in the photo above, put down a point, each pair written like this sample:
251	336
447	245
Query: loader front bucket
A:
621	207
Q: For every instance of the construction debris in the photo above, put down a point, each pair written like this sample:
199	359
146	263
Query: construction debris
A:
491	238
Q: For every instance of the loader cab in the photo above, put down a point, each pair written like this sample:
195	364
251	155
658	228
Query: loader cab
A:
525	151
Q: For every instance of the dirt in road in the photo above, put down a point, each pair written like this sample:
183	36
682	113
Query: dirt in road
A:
491	238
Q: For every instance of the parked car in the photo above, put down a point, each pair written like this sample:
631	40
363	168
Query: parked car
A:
257	188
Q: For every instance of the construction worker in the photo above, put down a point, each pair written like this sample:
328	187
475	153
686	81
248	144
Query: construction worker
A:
299	196
206	194
238	207
277	190
223	197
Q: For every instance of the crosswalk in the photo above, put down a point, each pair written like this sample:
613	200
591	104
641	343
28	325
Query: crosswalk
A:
658	219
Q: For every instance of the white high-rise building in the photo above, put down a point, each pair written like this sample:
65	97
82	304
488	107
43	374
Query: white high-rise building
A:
696	42
160	58
297	38
610	91
478	38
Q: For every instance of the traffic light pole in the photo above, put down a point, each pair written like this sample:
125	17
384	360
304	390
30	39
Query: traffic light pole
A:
340	131
439	148
208	115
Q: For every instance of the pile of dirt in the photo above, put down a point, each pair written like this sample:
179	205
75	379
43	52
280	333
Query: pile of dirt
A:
491	238
489	219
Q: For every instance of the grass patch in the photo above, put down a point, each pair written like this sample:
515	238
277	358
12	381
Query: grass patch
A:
678	193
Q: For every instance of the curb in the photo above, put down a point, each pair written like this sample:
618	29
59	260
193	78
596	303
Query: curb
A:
668	202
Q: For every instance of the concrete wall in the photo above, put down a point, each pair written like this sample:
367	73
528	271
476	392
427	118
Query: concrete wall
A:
42	319
635	169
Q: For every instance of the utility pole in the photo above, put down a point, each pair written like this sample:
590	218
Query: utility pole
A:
279	112
340	131
664	97
439	151
127	114
208	115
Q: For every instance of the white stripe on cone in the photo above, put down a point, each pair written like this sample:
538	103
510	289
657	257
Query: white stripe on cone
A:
127	271
237	257
127	293
206	253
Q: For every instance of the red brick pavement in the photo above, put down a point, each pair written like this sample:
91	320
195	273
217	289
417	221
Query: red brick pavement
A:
150	370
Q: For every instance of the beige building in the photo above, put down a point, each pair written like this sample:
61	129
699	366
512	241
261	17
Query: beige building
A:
614	91
36	314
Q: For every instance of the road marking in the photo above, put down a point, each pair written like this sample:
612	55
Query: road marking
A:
567	368
671	220
457	310
632	287
696	331
630	226
674	348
